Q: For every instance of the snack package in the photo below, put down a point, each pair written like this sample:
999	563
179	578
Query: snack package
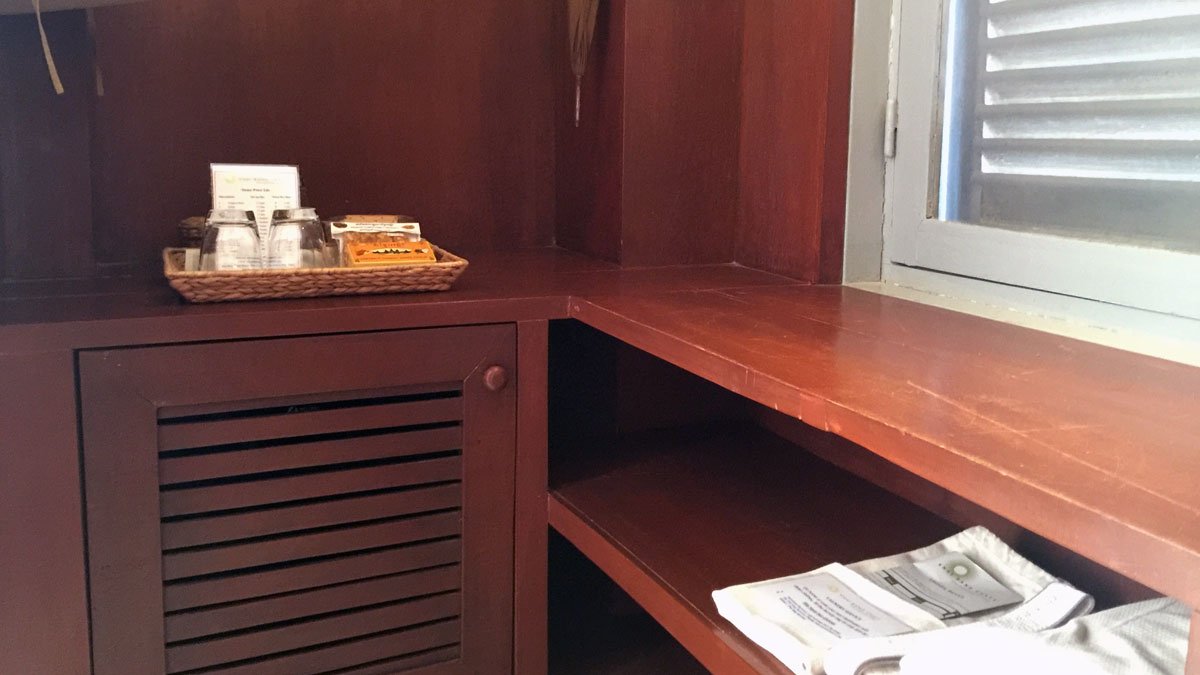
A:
378	250
396	226
380	240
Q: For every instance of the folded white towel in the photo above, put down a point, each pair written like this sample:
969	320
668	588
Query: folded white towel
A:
1145	638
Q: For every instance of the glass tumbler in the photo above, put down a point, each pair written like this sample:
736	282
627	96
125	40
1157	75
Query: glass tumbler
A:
296	239
230	241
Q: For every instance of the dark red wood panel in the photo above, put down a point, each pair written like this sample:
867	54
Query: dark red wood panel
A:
289	423
499	287
440	110
680	168
236	556
650	176
275	640
837	145
133	581
273	609
260	459
124	551
192	594
590	158
403	664
530	534
425	645
795	77
288	518
489	456
187	501
44	613
45	149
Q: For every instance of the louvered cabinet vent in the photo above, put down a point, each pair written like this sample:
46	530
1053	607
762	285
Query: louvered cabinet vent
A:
308	532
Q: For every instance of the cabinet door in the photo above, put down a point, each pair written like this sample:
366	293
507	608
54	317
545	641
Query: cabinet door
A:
309	505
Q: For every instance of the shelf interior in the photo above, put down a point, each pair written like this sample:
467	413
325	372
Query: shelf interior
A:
673	515
596	628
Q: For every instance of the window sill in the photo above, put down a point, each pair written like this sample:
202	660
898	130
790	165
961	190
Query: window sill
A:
1149	333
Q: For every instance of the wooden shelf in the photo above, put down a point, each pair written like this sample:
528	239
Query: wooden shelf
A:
498	287
673	516
1090	447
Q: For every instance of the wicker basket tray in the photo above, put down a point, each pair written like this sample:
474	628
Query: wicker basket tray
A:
309	283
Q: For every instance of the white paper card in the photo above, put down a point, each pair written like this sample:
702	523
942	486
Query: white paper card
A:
949	586
1054	606
797	618
826	604
261	188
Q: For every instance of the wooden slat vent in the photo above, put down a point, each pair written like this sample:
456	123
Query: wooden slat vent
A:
313	537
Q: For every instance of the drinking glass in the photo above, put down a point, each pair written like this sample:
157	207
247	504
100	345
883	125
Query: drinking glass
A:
296	240
231	241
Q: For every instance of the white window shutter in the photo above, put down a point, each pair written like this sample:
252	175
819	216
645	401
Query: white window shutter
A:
1081	118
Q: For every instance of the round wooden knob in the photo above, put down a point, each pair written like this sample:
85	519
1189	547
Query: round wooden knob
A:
495	378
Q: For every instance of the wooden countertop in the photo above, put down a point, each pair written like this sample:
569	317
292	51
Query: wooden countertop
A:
497	287
1092	447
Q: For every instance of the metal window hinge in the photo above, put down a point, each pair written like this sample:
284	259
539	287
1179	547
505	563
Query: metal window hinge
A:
891	120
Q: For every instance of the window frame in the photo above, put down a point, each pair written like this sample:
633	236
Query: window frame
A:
872	179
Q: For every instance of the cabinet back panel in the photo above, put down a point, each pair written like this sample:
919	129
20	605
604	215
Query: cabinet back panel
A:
440	110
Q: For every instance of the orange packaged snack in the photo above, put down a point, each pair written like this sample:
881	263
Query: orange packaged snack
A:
376	251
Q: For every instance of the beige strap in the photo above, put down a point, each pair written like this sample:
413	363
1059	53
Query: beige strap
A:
54	78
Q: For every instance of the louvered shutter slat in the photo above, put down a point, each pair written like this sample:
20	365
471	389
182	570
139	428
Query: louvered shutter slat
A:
1077	103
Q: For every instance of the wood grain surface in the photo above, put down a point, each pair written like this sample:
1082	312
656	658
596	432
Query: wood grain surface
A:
1088	446
44	613
135	579
439	110
795	107
498	287
680	186
45	150
589	159
672	516
530	535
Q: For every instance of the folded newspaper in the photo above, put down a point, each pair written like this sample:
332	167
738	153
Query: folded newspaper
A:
861	618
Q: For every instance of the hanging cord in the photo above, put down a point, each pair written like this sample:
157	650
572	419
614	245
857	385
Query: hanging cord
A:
96	69
581	24
54	78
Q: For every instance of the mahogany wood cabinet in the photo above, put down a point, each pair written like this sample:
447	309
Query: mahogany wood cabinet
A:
302	505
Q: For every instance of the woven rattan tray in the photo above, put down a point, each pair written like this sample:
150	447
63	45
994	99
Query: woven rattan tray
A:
309	283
